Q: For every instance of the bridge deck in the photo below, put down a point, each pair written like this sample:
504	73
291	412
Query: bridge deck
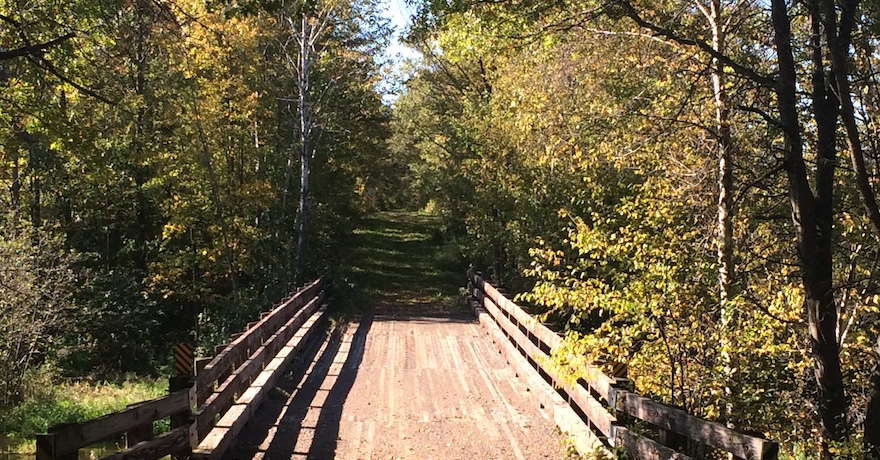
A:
401	386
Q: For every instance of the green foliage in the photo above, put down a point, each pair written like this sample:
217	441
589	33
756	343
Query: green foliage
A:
156	147
573	156
36	282
50	404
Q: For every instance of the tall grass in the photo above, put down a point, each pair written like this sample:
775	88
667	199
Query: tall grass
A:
47	404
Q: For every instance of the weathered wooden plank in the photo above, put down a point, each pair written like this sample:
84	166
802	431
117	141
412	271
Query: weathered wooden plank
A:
223	398
711	433
593	376
46	449
543	333
175	440
643	448
585	441
139	434
220	437
508	314
533	382
236	351
594	411
71	438
566	419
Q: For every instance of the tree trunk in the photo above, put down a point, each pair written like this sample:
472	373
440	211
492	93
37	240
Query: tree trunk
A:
725	163
724	147
839	40
812	218
305	153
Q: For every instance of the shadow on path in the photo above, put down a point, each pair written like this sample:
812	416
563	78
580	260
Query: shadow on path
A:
327	429
304	423
268	426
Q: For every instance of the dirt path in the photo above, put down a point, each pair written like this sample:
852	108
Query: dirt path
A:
413	377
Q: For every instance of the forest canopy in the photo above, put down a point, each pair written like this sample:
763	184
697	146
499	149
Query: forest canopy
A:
687	188
151	163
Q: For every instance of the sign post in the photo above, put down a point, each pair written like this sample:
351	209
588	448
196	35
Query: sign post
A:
183	358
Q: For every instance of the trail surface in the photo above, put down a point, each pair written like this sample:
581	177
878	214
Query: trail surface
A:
412	377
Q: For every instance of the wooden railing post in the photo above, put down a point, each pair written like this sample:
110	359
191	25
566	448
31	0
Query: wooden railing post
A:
470	283
262	341
47	450
139	434
200	364
682	435
673	440
184	417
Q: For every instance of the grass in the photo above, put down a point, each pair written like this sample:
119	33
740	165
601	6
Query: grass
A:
46	405
400	258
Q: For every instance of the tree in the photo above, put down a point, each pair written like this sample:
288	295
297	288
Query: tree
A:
619	277
36	282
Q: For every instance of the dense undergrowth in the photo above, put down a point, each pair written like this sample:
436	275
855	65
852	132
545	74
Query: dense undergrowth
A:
48	403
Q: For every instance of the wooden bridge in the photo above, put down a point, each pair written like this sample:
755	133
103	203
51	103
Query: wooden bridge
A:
415	384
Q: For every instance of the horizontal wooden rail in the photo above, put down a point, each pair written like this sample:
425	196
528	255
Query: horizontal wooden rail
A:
64	442
218	440
593	376
234	354
513	320
710	433
601	419
158	447
585	441
224	397
234	371
597	414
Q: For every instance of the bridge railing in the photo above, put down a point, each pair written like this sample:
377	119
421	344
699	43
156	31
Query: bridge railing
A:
235	382
601	398
225	392
135	422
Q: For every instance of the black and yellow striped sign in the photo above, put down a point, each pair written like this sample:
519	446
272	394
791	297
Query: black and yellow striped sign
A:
183	358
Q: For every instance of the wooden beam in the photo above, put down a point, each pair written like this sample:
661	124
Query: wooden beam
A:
71	438
510	317
223	398
160	446
237	349
139	434
46	449
585	441
644	448
230	425
593	376
711	433
541	332
579	395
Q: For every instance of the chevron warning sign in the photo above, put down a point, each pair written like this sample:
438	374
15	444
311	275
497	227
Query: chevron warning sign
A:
183	358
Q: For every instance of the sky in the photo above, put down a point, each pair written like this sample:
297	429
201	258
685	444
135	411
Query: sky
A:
398	12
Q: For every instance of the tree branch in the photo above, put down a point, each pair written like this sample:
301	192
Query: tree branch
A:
32	50
42	63
740	69
766	116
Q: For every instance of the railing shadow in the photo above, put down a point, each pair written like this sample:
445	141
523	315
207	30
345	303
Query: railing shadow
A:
281	422
284	398
327	428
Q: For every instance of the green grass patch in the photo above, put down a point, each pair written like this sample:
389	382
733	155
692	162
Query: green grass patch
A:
72	402
400	258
